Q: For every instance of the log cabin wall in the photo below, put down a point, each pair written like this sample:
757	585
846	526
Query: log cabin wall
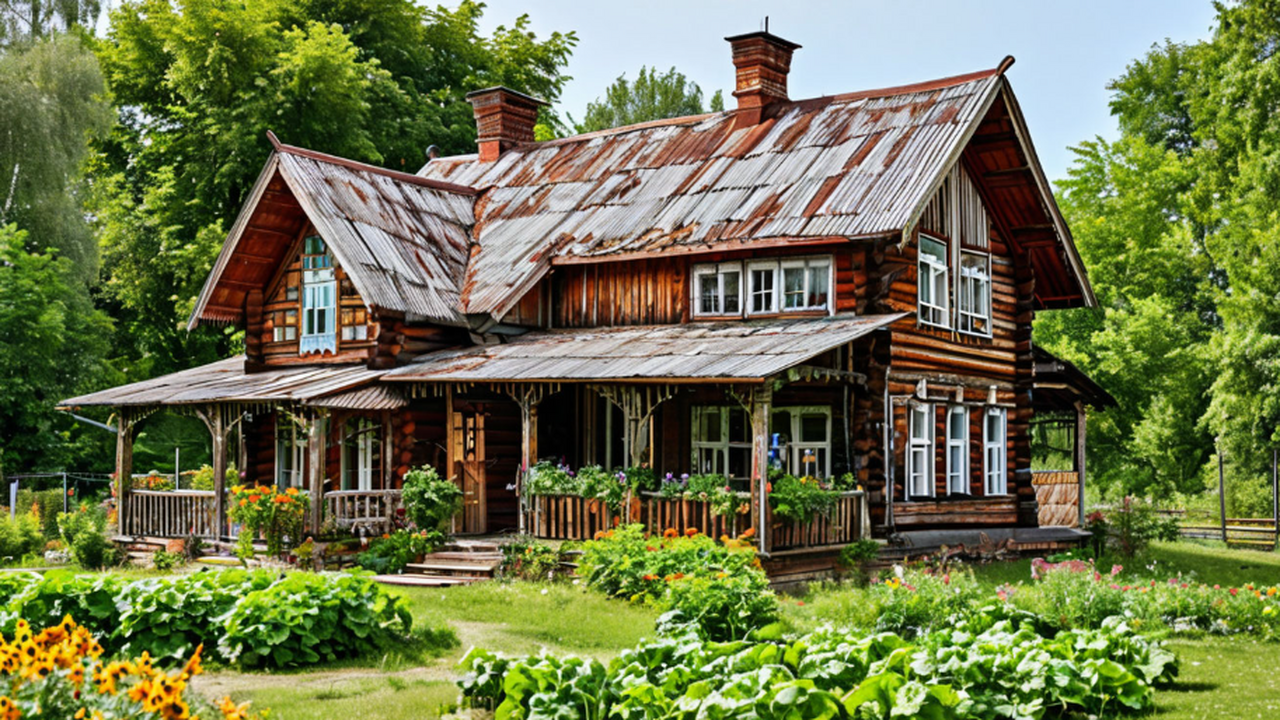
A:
260	448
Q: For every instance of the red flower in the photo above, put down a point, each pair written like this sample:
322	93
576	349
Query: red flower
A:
691	532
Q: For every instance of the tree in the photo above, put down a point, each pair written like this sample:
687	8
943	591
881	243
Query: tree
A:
652	96
27	19
200	82
51	343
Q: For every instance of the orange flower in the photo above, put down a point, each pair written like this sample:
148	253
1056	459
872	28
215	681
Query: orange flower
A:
254	498
670	533
691	532
751	532
243	503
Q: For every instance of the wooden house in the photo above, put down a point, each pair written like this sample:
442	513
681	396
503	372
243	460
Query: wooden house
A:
843	284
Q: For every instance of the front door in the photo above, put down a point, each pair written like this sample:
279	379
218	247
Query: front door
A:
469	427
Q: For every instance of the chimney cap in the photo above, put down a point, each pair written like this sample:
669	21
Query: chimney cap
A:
766	36
516	94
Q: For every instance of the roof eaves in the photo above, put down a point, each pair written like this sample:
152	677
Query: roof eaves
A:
365	167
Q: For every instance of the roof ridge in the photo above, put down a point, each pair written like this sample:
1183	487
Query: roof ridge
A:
366	167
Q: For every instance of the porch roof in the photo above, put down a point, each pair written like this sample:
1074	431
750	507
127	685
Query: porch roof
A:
693	352
227	381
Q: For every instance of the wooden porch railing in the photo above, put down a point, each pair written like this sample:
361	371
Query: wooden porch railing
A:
847	522
175	514
661	514
373	510
567	517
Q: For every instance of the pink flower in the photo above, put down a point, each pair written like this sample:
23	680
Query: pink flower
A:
1232	591
946	579
1002	594
1115	586
1116	570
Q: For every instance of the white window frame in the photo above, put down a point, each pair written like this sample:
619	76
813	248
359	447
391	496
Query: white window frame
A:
920	454
291	453
365	433
995	452
796	446
719	270
958	464
772	294
721	447
928	269
807	266
973	301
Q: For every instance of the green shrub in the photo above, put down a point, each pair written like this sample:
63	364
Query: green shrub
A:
170	617
430	501
46	504
165	561
44	600
202	479
855	554
799	499
721	588
313	617
391	553
19	537
528	560
918	602
85	532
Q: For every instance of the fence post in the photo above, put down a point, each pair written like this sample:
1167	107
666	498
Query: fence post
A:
65	507
1222	497
1275	497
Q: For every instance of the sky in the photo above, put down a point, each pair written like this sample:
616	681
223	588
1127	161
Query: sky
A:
1066	52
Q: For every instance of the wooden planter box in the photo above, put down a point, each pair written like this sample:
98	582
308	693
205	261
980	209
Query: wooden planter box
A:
662	514
567	517
842	526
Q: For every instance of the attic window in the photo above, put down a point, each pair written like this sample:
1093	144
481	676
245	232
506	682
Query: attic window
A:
931	282
718	289
319	298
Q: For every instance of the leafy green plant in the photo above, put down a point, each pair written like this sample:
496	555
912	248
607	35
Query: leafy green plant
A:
798	499
165	561
529	560
169	617
391	553
313	617
202	479
430	501
19	536
85	532
275	514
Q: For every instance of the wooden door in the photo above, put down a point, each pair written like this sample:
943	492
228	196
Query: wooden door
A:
471	471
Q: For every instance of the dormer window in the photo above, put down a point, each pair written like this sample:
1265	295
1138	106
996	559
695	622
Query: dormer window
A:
931	282
319	298
718	289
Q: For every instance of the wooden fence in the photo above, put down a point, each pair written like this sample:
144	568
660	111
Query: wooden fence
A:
567	517
662	514
848	522
1204	525
176	514
371	510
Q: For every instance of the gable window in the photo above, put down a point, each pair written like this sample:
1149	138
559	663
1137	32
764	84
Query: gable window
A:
359	450
920	451
319	298
717	289
932	283
285	326
721	441
994	451
763	290
974	304
291	448
957	450
805	284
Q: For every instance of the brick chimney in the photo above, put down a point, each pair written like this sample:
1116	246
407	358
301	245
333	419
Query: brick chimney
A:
504	119
762	60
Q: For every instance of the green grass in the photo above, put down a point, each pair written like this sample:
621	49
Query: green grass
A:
1223	678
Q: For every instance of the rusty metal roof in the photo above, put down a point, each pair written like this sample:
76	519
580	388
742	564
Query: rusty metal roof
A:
858	165
226	381
736	350
404	240
373	397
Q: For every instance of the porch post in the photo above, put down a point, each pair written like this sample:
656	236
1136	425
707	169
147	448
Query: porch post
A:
761	399
528	398
1081	416
124	466
316	467
388	473
215	419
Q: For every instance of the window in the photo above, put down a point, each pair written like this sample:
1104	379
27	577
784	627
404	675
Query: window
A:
291	448
359	450
974	305
995	452
800	440
764	287
721	441
284	326
932	282
717	289
319	299
805	284
920	451
957	450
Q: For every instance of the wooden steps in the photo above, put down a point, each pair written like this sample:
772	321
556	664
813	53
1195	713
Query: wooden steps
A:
461	562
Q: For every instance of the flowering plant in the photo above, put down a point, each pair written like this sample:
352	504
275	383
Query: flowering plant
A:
59	672
799	499
275	514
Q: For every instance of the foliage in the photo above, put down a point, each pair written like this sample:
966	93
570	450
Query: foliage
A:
1132	525
85	532
166	561
653	96
199	83
799	499
307	618
986	669
592	481
858	552
19	536
203	478
430	501
528	559
277	515
719	588
391	553
44	506
58	672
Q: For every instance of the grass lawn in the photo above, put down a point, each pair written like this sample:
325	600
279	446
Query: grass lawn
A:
1221	677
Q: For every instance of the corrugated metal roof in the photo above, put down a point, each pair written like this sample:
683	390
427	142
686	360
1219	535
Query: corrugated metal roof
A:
696	351
226	381
846	166
374	397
